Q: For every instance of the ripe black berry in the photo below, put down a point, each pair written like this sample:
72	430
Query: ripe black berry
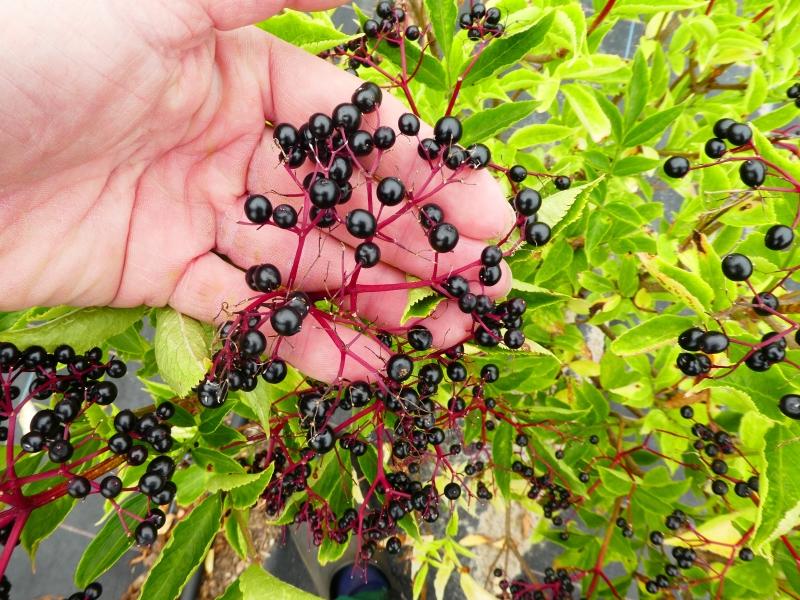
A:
79	487
687	412
479	156
752	172
322	441
361	142
284	216
258	209
430	215
384	138
413	33
429	149
789	405
714	342
527	202
286	136
746	554
676	167
367	97
399	367
722	127
447	131
779	237
739	134
768	300
324	193
347	116
737	267
690	339
286	321
443	237
719	487
537	234
452	491
146	533
360	223
60	451
408	124
715	148
391	191
367	254
111	486
420	337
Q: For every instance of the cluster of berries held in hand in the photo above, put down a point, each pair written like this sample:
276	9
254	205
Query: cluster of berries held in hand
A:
73	383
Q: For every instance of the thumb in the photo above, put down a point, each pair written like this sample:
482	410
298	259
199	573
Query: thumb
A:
232	14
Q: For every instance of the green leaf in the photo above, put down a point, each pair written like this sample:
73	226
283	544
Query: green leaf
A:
185	550
443	15
539	133
81	328
501	455
638	88
631	165
779	510
182	350
247	494
486	124
235	534
109	544
42	522
430	71
652	126
588	110
688	287
556	208
422	301
255	581
507	51
301	30
651	334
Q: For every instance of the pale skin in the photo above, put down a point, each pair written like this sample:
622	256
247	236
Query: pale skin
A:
132	132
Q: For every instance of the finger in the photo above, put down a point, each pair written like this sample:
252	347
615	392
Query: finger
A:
232	14
326	354
299	85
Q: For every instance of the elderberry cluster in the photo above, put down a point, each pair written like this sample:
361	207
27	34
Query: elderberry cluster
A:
480	22
71	384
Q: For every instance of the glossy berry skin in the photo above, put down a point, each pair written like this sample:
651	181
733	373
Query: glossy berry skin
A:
146	534
719	487
562	182
361	143
518	173
79	487
443	237
384	138
793	92
258	209
263	278
111	486
448	130
367	254
430	215
367	97
286	321
752	172
275	371
324	193
737	267
323	441
391	191
252	342
452	491
537	234
746	554
769	300
286	136
399	367
490	276
420	337
347	116
789	405
691	339
527	202
722	127
779	237
429	149
284	216
360	223
479	156
689	364
739	134
413	33
715	148
320	126
714	342
408	124
676	167
491	256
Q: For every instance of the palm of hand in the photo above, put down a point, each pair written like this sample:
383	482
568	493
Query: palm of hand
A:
146	141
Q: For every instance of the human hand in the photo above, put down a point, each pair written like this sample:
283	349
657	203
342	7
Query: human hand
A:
132	136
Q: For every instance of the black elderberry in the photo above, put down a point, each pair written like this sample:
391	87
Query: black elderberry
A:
752	172
60	451
443	237
430	215
361	143
32	441
715	148
656	538
714	342
367	254
687	412
518	173
454	157
789	405
360	223
286	136
413	33
420	337
428	149
111	486
737	267
146	534
137	455
448	130
347	116
258	209
391	191
286	321
79	487
284	216
757	361
779	237
739	134
452	491
527	201
537	234
719	487
479	156
367	97
408	124
722	127
384	138
490	276
64	354
676	167
399	367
